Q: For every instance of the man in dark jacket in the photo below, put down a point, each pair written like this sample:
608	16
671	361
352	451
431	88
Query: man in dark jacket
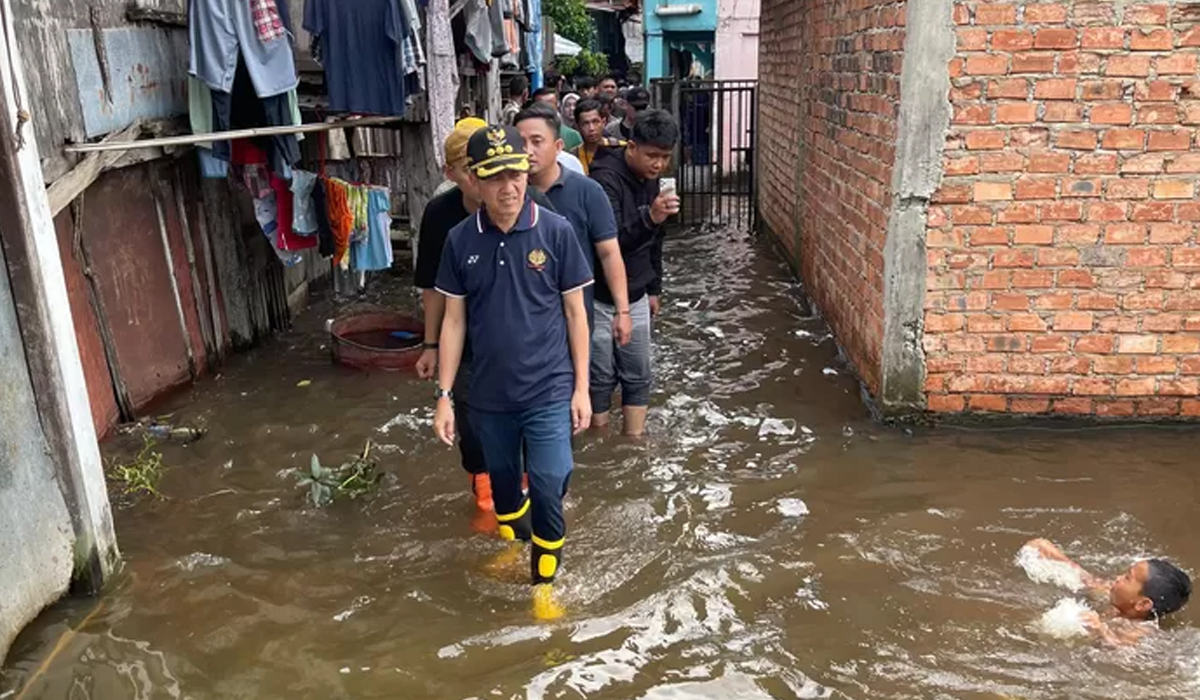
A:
629	177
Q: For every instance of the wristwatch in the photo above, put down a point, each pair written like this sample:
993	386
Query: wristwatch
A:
430	346
440	394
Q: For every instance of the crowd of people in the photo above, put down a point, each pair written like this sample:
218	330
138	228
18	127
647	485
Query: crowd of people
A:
540	267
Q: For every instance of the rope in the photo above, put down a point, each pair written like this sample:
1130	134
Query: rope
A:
22	114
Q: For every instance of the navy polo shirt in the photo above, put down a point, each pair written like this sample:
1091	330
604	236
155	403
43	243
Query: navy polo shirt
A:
583	202
514	285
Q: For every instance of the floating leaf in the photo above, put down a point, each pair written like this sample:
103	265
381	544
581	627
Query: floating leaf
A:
303	383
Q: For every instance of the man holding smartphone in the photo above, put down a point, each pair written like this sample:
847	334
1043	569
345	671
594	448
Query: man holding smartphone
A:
629	177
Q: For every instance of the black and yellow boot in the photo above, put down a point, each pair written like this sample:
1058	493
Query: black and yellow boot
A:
515	526
516	529
546	560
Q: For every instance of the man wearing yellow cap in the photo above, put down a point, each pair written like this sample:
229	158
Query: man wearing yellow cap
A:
513	276
450	207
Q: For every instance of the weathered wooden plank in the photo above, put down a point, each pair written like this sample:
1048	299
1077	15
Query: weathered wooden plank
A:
65	189
52	94
39	288
193	271
170	262
143	11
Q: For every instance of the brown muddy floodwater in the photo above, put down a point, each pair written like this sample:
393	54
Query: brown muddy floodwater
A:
767	541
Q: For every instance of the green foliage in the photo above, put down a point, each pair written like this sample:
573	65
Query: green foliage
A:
571	20
353	479
591	63
141	476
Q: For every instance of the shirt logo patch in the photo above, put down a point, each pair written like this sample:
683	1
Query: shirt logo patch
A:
537	259
473	259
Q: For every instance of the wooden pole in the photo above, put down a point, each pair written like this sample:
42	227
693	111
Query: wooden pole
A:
170	261
213	137
47	329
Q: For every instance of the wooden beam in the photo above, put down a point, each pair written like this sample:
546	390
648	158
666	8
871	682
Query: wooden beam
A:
141	11
47	334
66	188
194	139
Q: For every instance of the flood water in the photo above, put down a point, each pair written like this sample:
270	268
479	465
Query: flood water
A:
768	539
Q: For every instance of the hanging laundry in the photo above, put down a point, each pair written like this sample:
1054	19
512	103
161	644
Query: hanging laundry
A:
341	220
304	219
360	46
356	198
534	47
267	21
413	48
200	108
221	31
320	200
512	36
286	238
241	109
375	253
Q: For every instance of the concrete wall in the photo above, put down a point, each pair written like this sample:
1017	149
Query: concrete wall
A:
1064	262
829	102
737	39
36	534
660	29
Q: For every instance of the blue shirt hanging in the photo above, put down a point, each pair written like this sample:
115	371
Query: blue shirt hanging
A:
359	45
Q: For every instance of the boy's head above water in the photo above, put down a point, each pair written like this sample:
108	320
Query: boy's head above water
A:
1150	589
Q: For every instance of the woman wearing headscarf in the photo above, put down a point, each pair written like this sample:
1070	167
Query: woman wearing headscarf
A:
569	101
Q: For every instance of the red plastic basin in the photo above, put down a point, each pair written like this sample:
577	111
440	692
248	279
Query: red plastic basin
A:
364	340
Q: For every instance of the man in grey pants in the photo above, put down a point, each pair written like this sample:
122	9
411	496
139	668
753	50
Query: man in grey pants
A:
629	177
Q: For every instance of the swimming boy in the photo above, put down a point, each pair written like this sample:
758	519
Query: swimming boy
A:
1148	591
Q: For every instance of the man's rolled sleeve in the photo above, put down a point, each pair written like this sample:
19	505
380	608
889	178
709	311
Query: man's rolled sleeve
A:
601	219
449	276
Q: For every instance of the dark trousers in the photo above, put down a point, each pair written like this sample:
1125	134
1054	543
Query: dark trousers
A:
541	439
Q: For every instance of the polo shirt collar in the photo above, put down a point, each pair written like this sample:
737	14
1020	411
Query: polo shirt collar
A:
563	174
530	214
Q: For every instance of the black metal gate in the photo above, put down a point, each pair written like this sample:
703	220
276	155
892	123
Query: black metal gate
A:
714	164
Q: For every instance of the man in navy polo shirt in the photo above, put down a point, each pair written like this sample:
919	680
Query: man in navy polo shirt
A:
513	276
582	202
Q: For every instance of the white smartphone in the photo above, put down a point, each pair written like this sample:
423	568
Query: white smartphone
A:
666	184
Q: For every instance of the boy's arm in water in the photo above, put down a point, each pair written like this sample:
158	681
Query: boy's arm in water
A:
1050	551
1114	633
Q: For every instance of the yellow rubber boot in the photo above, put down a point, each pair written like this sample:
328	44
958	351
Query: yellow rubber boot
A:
508	565
545	605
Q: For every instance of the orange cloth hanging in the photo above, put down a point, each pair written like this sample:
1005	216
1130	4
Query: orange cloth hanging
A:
341	219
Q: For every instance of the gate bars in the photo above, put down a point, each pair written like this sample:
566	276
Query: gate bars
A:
715	161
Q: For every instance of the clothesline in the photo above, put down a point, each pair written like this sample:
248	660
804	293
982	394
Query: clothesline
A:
193	139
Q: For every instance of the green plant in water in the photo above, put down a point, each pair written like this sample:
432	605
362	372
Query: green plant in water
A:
353	479
141	476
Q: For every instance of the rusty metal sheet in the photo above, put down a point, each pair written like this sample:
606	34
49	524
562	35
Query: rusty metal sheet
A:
146	70
127	256
91	346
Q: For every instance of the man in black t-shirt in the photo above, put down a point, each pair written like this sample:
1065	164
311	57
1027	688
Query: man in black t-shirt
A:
443	213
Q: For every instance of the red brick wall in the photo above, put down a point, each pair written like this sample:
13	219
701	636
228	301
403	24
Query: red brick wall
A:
1064	271
829	73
